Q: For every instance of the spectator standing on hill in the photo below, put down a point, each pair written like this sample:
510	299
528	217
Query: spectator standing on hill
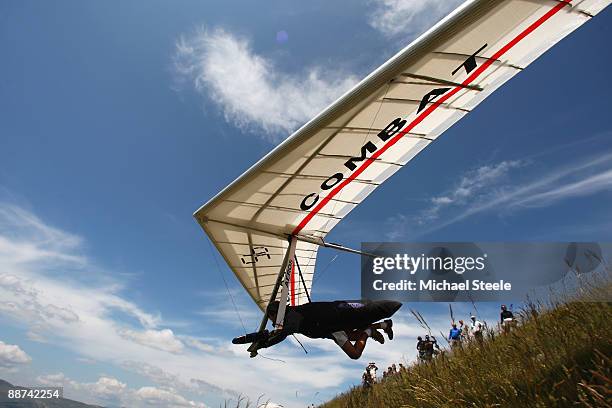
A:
507	319
505	314
429	344
420	346
477	329
366	379
372	369
454	336
465	330
433	341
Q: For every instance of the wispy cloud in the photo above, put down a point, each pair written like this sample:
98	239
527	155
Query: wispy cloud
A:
470	187
249	89
198	344
585	177
583	186
164	340
490	188
402	18
44	243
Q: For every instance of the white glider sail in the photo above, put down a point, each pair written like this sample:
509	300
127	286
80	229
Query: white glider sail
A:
307	184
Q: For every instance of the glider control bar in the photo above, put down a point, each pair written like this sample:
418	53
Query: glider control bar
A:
283	278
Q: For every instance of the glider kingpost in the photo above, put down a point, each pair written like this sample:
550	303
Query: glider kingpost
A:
269	223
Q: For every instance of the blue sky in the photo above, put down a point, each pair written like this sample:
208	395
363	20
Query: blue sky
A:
119	119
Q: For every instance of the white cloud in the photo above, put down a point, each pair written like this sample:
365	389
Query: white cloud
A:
255	95
184	364
152	396
220	312
109	390
12	356
106	390
153	373
86	360
159	339
198	344
270	405
488	189
202	387
53	380
249	89
35	335
442	200
396	18
170	381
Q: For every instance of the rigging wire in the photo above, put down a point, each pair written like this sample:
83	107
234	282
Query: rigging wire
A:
212	253
308	263
320	275
270	358
300	343
303	282
474	306
382	102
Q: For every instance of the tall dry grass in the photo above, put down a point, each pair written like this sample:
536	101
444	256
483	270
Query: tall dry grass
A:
559	356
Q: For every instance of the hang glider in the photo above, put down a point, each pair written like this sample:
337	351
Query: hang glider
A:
269	223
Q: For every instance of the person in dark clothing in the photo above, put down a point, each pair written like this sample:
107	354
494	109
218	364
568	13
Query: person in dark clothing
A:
366	379
430	344
428	350
505	314
507	319
429	347
348	324
420	346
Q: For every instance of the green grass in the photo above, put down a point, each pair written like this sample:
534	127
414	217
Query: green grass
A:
559	356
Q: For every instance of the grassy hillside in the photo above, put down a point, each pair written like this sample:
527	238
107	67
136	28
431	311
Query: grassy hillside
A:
560	356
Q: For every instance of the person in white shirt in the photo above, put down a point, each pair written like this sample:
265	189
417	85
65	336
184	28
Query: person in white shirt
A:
477	328
372	369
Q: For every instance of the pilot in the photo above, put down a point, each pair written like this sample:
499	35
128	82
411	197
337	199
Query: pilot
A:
349	324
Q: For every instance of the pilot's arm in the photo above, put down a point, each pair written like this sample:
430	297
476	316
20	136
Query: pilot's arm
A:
275	337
